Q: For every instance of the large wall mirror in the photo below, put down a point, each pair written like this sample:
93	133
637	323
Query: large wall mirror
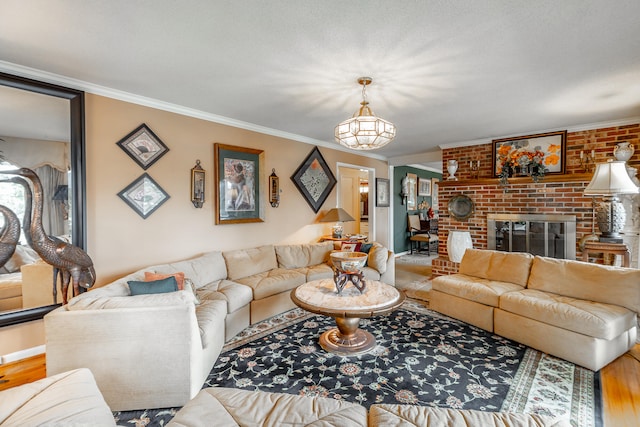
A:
42	128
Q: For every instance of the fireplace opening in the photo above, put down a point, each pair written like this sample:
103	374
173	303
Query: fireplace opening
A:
543	234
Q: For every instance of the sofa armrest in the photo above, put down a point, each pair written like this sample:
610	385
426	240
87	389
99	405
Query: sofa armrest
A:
132	352
389	276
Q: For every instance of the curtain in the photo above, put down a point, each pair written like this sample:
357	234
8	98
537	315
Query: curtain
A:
53	212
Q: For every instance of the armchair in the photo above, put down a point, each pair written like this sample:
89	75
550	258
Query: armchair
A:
418	235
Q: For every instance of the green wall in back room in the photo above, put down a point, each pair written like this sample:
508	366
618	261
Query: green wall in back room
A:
400	234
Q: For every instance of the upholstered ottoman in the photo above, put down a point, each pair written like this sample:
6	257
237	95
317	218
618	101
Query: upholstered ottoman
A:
68	399
409	415
227	407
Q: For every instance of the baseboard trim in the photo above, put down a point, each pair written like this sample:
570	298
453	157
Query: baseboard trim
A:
22	354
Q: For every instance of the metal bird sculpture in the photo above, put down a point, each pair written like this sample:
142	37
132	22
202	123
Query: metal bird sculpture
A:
26	226
28	200
10	234
73	263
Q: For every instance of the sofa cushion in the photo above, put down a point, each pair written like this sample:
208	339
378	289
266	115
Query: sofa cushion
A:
296	256
420	416
211	315
169	284
589	318
317	272
592	282
371	273
234	294
201	270
511	267
70	398
243	263
147	300
21	256
273	282
472	288
10	285
234	407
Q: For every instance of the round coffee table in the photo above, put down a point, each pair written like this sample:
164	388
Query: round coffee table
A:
347	308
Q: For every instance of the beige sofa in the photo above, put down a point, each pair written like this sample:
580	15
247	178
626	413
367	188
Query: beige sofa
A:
154	351
584	313
235	408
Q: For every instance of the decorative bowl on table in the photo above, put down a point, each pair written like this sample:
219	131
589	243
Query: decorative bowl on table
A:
348	269
348	262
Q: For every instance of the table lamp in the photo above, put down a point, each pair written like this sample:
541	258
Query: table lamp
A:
609	180
337	215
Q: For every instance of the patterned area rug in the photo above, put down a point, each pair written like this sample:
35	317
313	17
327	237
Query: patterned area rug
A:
422	358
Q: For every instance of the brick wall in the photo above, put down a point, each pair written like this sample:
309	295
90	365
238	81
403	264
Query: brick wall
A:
555	194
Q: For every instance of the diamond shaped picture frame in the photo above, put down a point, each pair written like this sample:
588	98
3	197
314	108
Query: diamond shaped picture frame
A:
144	195
143	146
314	179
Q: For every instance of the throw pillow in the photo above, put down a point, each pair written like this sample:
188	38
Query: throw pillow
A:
366	247
378	256
189	286
350	246
154	287
151	276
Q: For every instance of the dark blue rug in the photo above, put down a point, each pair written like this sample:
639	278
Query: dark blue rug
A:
421	358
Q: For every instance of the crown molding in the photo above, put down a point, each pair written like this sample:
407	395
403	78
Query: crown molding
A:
132	98
576	128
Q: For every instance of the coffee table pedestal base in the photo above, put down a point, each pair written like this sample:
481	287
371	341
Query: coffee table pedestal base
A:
347	339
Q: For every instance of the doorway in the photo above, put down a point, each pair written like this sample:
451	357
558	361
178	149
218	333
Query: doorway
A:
354	187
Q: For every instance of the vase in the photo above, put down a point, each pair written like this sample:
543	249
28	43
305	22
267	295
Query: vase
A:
623	151
457	243
452	167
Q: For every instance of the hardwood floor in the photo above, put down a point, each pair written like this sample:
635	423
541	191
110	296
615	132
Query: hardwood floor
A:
22	372
620	385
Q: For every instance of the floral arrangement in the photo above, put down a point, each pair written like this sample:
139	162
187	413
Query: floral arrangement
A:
517	157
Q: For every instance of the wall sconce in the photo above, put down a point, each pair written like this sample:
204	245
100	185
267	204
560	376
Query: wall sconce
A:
197	185
587	162
274	189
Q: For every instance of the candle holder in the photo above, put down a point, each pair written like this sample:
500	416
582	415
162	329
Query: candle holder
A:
587	162
475	169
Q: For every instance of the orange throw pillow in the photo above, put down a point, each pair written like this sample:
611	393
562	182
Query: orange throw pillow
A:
149	276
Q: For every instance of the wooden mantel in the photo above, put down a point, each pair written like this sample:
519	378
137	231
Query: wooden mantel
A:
572	177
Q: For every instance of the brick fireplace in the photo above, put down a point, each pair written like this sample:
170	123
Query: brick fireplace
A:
556	194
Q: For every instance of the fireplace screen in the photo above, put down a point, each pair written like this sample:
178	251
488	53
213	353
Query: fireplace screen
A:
545	235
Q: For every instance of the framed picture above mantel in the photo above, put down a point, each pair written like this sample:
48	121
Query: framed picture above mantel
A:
548	149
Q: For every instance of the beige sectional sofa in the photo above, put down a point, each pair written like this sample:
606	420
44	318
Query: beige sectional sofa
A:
584	313
154	351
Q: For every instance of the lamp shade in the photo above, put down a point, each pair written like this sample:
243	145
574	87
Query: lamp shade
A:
337	215
610	178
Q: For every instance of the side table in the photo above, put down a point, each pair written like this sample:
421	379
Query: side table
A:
344	239
607	248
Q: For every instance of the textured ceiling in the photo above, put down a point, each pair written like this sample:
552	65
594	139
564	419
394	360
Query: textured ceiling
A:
444	71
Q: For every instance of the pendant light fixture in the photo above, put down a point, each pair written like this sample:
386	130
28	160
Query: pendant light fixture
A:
365	131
